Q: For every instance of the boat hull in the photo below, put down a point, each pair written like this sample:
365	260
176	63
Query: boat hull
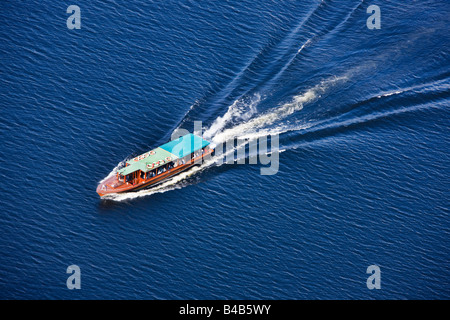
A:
113	186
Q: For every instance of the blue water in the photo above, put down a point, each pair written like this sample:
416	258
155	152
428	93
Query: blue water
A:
363	122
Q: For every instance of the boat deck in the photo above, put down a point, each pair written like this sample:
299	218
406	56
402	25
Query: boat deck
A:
113	185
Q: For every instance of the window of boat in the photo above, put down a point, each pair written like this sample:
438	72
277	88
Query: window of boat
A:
151	173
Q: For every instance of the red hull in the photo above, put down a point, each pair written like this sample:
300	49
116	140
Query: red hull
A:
112	185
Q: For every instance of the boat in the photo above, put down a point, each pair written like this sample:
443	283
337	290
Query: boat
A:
157	165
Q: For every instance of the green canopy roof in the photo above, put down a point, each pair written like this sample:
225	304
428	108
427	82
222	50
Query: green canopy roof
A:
170	151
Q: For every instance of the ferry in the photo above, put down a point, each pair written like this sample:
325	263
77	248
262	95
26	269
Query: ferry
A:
157	165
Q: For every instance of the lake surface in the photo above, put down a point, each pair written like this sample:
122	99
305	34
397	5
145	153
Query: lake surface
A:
361	115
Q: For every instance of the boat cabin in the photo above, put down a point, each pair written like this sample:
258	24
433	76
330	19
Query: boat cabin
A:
164	159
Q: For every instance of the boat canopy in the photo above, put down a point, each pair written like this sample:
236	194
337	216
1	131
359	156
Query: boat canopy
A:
168	152
185	145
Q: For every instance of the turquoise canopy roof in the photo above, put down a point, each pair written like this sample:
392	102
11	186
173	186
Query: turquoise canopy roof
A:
185	145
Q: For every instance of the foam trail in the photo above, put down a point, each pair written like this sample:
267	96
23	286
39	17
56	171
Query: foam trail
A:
334	123
303	46
389	94
240	109
274	115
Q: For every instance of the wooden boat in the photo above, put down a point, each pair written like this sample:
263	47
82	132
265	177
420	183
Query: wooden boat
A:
157	165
